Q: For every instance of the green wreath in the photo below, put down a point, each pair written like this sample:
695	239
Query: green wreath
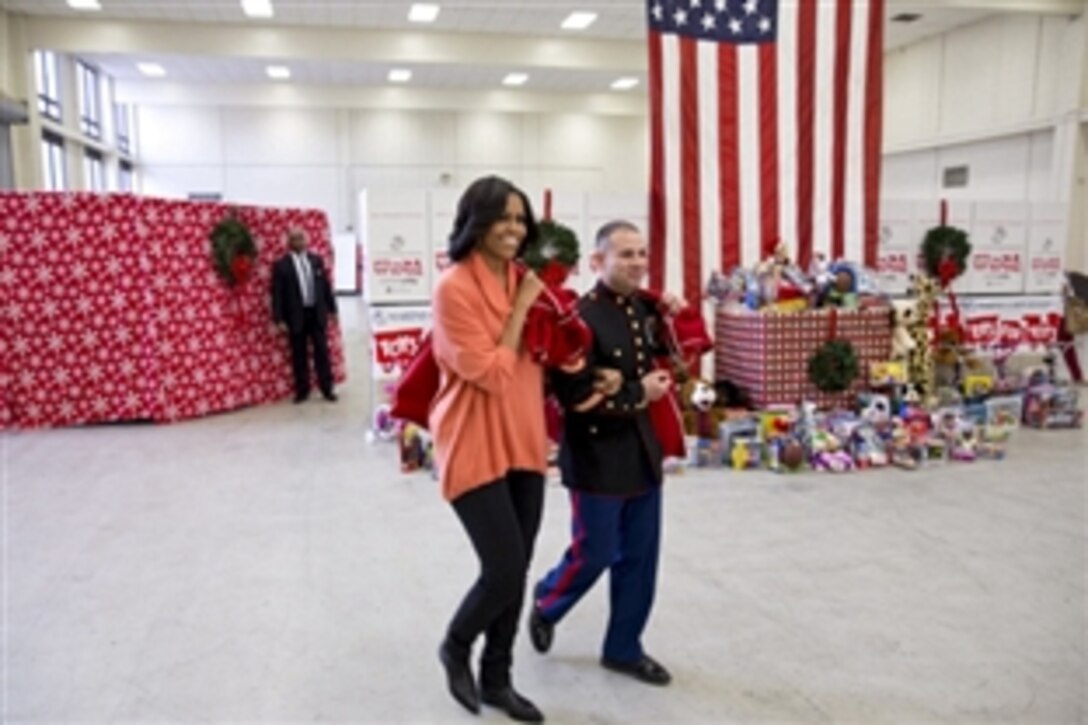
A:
944	242
233	249
554	243
833	367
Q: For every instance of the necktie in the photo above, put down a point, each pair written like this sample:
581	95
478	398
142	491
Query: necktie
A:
307	281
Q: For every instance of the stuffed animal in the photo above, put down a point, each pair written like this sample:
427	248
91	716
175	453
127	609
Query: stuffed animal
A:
903	312
730	396
876	409
843	289
701	418
924	290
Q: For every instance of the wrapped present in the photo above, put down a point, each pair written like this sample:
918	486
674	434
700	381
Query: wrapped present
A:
767	355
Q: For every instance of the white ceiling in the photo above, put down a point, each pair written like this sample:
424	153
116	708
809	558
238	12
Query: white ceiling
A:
540	19
202	69
620	19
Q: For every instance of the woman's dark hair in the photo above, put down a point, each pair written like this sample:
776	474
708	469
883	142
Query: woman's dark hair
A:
483	204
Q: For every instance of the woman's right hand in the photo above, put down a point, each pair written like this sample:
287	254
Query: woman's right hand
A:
530	288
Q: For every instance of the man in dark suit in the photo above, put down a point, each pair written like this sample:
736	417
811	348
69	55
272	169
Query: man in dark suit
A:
302	301
610	460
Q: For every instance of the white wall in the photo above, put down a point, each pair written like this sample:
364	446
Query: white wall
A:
6	85
1003	97
1016	167
324	157
1001	75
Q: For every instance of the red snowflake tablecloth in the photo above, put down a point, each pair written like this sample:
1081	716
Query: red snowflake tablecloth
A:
111	310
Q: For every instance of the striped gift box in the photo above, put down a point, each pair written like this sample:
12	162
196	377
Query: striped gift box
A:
767	354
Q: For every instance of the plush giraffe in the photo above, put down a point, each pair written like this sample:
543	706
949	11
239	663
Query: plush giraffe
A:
924	289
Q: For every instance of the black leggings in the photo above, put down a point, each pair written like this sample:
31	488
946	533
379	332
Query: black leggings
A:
502	519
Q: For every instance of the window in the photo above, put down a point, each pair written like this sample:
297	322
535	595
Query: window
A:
46	75
124	176
94	170
90	114
52	162
120	115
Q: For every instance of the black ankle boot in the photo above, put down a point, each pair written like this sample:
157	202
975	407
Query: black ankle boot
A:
459	678
512	703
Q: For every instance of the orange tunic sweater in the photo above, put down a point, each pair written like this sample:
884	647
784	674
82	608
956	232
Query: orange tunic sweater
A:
488	416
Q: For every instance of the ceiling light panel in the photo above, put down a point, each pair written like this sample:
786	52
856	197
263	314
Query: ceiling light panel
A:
624	84
151	70
423	12
400	75
258	8
84	4
578	20
278	72
515	79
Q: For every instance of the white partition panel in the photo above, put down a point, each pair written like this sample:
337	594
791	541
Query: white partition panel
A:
396	246
1046	239
998	248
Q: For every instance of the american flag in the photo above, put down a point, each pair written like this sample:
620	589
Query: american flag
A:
765	125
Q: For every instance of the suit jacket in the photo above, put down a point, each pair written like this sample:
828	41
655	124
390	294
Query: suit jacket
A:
287	293
610	447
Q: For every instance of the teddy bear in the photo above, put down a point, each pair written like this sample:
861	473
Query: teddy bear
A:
701	418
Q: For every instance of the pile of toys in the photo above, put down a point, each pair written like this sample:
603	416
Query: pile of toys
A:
879	431
778	285
890	424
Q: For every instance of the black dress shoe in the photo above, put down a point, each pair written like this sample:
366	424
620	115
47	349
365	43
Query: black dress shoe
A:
331	397
513	704
541	631
647	670
460	680
301	398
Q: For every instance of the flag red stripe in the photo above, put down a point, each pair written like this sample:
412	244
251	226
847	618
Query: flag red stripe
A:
768	148
843	19
728	156
874	104
689	171
806	113
656	231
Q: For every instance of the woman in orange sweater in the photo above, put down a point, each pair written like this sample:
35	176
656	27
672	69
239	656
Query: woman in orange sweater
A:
487	422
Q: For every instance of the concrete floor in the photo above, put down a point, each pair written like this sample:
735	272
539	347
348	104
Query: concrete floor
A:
271	565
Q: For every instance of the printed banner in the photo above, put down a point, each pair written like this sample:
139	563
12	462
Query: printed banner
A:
1012	324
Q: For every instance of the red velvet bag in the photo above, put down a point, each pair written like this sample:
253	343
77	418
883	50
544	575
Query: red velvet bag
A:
417	386
555	335
686	336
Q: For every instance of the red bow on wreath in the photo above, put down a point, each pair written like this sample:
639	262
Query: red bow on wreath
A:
241	267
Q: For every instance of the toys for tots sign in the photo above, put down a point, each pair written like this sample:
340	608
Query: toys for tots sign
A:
395	336
394	349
